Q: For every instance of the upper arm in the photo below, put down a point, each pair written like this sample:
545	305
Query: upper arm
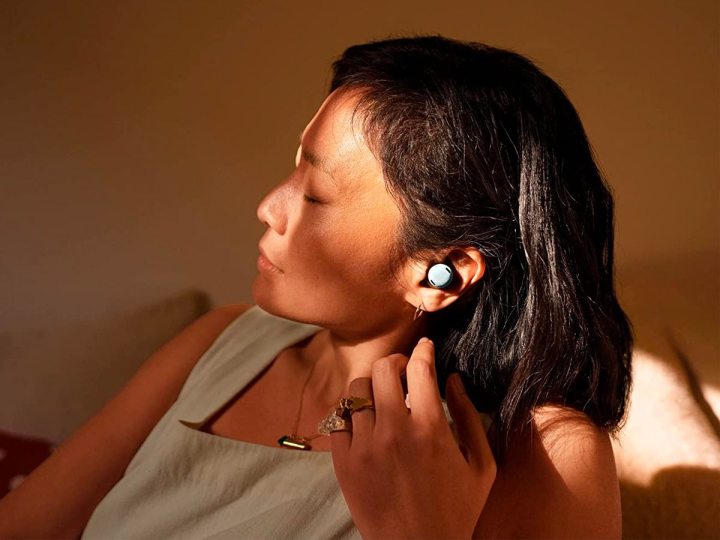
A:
59	496
561	482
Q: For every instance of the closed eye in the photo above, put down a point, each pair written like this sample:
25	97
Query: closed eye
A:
311	200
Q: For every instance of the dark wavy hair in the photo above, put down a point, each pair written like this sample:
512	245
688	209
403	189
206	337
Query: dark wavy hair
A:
479	147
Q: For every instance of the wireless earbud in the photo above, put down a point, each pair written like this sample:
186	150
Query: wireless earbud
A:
440	275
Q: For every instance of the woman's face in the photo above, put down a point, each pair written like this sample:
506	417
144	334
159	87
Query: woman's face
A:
332	254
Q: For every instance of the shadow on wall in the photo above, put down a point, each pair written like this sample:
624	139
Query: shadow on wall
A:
680	502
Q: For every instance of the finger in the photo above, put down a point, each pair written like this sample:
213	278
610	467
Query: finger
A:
469	426
388	391
363	422
340	442
423	392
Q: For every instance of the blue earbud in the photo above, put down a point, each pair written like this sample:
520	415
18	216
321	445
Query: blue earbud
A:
440	275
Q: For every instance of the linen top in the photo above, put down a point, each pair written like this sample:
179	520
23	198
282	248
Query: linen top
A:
186	483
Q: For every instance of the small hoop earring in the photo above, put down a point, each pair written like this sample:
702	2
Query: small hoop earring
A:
419	311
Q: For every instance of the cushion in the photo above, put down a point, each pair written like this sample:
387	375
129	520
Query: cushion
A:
668	452
675	306
52	380
667	456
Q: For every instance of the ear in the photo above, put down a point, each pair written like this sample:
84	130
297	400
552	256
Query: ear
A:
468	266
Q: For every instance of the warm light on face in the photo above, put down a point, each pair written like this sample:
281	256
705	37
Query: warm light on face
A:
330	224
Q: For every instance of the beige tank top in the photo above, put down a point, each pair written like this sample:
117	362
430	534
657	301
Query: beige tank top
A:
186	483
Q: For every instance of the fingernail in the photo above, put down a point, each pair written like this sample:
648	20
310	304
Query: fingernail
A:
423	340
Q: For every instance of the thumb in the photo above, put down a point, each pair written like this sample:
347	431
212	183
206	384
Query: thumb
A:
469	425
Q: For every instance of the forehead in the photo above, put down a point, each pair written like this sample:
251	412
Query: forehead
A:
338	140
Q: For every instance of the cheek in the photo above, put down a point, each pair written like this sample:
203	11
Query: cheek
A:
351	252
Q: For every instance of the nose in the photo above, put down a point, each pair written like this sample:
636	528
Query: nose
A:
272	210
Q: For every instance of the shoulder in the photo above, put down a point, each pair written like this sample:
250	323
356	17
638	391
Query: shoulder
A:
559	481
187	346
566	434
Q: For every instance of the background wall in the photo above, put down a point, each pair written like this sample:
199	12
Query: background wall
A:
137	138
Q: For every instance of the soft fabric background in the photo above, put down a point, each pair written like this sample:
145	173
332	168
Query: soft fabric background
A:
53	380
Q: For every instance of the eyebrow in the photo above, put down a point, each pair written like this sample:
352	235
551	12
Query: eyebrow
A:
315	160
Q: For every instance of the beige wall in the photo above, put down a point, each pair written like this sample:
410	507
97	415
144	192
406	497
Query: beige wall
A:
137	138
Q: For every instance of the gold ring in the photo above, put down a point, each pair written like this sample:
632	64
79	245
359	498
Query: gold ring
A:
353	404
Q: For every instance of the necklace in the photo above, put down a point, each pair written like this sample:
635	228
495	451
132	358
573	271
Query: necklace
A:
295	441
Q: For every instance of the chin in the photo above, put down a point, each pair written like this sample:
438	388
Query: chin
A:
262	296
272	301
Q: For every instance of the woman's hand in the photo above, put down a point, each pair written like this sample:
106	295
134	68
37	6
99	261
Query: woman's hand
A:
400	470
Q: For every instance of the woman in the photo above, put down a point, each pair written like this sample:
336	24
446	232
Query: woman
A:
443	189
427	151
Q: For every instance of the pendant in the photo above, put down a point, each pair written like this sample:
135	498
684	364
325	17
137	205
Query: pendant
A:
294	442
335	422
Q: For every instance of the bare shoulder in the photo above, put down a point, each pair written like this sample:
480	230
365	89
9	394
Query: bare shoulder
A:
560	481
568	433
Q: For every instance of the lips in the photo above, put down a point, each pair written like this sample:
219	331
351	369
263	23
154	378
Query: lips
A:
268	259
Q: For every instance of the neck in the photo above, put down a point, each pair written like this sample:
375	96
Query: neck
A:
340	359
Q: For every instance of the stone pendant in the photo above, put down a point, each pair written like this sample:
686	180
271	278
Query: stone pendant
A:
294	442
334	422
